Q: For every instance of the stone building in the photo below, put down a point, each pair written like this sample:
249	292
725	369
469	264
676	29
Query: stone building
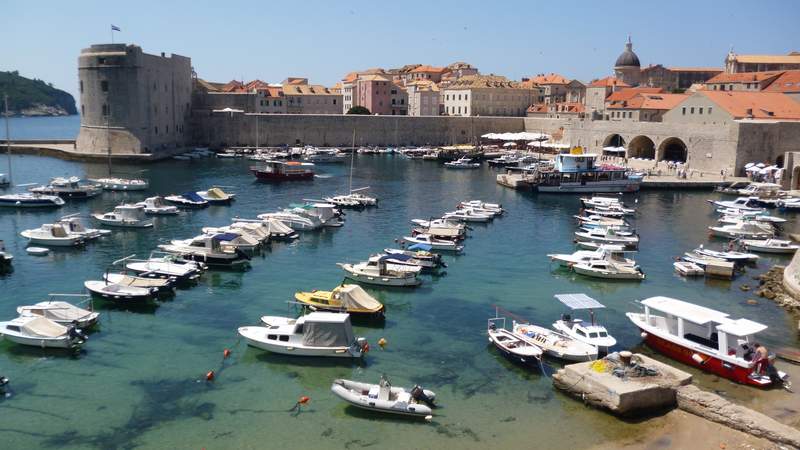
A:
131	101
627	67
596	93
374	93
761	63
553	87
716	107
303	98
486	95
643	106
742	81
423	98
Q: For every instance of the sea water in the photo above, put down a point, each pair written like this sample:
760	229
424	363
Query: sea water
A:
140	379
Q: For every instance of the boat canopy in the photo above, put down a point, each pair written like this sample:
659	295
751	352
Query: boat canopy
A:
192	196
423	247
354	296
225	236
56	311
579	301
216	193
694	313
327	330
741	327
396	256
44	328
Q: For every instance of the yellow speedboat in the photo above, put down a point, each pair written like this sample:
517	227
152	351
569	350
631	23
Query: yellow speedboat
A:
350	298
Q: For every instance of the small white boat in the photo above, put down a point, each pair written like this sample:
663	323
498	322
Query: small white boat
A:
314	334
459	227
607	236
467	215
125	216
790	204
40	332
166	267
608	270
69	187
728	256
588	245
418	255
462	163
74	225
37	251
354	199
61	312
741	203
602	201
688	268
745	229
5	256
187	200
589	332
156	206
770	245
377	271
53	234
434	243
555	344
516	348
216	196
733	219
161	285
122	184
479	204
244	239
612	253
385	398
294	220
119	292
602	221
208	249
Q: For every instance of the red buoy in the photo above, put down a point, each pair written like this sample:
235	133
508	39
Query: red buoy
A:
304	400
210	375
226	353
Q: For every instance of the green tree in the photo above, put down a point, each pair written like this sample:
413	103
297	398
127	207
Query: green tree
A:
358	110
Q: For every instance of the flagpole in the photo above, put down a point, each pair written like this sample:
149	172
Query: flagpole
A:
112	34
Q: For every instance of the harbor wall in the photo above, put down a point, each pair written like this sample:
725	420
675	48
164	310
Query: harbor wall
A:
222	129
791	277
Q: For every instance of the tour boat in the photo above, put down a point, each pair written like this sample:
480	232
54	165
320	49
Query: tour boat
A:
125	216
728	256
53	234
119	292
467	215
746	229
553	343
688	268
385	398
611	253
702	337
420	255
741	203
349	298
61	312
314	334
31	200
608	270
187	200
770	245
518	349
216	196
590	332
72	187
272	170
156	206
377	271
434	243
607	236
161	285
122	184
462	163
577	172
208	250
41	332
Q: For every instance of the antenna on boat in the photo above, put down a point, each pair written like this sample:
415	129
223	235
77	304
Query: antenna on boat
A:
108	132
8	138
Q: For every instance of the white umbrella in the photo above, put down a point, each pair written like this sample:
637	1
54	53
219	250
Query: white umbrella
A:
749	165
752	169
761	165
510	144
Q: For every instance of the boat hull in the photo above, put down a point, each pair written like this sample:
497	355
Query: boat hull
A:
277	177
382	281
33	203
578	188
41	342
284	349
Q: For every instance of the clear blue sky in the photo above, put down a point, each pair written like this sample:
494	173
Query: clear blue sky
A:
323	40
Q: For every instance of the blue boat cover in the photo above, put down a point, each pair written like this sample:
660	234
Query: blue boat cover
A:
192	196
226	236
424	247
396	256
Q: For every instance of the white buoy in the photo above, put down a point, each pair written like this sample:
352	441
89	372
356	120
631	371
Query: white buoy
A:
37	251
644	335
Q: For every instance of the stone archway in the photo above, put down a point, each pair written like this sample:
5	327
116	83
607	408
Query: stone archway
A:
642	147
614	140
779	161
672	149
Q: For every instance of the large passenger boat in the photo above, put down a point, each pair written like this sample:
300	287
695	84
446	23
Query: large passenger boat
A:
283	171
577	172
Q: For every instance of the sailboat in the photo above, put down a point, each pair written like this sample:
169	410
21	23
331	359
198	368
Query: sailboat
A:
354	198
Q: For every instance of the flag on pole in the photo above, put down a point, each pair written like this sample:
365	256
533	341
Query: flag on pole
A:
115	28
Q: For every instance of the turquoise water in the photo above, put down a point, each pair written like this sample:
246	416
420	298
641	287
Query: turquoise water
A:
60	127
136	382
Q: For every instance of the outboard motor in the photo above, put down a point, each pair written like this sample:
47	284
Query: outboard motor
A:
418	394
75	333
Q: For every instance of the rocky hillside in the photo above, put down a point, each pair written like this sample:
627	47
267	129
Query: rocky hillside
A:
28	97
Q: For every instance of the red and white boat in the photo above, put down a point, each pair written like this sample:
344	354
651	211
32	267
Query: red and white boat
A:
703	338
283	171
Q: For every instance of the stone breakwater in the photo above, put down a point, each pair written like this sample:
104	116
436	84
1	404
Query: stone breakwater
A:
773	287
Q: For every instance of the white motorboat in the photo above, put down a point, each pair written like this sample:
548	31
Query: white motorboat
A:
688	268
741	203
728	256
156	206
608	270
553	343
279	230
255	230
612	253
245	240
462	163
789	204
496	208
119	292
619	230
31	200
354	199
590	332
161	285
61	312
745	229
71	187
325	156
601	201
125	216
122	184
419	255
588	245
385	398
706	339
208	249
459	227
187	200
434	243
602	221
516	348
326	213
733	219
53	234
166	267
41	332
315	334
606	212
216	196
467	215
378	271
295	221
607	236
73	224
770	245
37	251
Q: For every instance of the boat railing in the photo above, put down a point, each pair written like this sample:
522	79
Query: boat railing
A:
86	299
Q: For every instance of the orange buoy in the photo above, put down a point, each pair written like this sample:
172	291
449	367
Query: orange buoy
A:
304	400
382	343
226	353
210	375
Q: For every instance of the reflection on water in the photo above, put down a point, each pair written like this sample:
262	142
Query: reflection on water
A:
140	378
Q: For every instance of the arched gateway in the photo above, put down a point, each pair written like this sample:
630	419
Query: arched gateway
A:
673	149
642	147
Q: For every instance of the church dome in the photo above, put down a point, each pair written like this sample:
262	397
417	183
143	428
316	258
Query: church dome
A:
628	58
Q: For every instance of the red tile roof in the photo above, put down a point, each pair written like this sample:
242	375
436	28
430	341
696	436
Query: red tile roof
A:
429	69
695	69
552	78
756	105
744	77
788	81
608	82
628	93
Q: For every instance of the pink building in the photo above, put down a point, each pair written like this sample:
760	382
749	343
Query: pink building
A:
374	93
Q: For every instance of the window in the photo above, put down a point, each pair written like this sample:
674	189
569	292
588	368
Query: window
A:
393	101
691	110
83	111
709	110
81	86
101	60
402	101
334	101
105	109
465	97
700	111
156	129
167	129
459	110
283	338
104	86
683	110
272	337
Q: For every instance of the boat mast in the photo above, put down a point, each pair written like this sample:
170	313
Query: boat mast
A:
108	134
8	139
352	158
257	120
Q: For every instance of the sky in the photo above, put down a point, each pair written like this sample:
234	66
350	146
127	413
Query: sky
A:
323	40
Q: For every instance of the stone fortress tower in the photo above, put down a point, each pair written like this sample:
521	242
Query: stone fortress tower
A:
131	101
627	68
